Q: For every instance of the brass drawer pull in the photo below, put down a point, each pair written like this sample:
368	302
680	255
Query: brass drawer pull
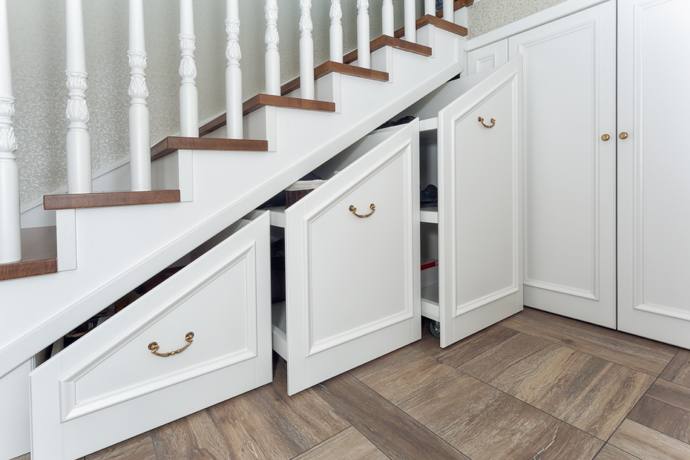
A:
353	210
493	123
153	347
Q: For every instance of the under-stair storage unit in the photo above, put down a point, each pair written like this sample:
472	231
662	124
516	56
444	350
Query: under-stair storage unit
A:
352	261
476	146
199	338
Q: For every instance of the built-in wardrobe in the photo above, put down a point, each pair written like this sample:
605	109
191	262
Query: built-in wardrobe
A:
607	170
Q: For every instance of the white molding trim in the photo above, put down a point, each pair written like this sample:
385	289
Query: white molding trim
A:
530	22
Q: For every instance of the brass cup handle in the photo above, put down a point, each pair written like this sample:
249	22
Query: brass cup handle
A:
493	123
153	347
353	210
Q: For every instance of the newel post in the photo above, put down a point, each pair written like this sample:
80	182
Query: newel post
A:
336	31
233	74
410	21
448	10
387	14
363	40
139	137
10	243
306	51
189	96
78	139
272	56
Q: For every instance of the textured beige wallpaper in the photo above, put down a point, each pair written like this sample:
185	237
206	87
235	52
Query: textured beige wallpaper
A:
487	15
37	40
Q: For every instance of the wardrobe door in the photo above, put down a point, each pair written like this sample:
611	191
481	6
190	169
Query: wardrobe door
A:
654	170
569	96
480	204
352	264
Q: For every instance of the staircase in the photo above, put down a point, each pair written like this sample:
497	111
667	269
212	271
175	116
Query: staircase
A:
105	244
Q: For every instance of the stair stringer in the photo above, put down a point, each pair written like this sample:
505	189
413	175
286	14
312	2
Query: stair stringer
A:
118	248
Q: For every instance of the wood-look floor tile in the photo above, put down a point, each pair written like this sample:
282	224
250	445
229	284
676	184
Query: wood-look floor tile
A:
174	440
395	433
646	443
678	371
349	444
587	392
459	353
487	424
208	441
635	352
23	457
662	417
137	448
671	393
613	453
261	425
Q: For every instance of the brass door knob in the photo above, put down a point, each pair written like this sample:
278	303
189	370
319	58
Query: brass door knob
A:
605	137
623	135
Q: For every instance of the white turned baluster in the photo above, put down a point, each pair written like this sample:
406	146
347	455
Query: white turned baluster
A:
306	51
78	139
363	46
233	74
189	96
10	244
388	27
139	138
410	21
430	7
448	10
272	56
336	14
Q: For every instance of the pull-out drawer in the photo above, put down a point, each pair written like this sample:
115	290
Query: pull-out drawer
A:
201	337
352	263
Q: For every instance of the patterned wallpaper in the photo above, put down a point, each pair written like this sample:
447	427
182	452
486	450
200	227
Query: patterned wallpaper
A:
37	40
487	15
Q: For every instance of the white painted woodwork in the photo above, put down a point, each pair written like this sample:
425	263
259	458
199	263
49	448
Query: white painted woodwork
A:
139	131
570	172
653	170
14	416
10	239
189	96
388	18
336	31
480	205
78	139
488	57
233	74
430	7
363	40
448	10
225	188
108	386
410	20
353	285
66	225
272	40
306	51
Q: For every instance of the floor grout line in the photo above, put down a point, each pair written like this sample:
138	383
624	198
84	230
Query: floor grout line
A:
324	441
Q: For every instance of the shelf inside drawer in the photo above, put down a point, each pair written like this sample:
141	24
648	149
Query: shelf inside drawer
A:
428	215
430	305
277	216
279	314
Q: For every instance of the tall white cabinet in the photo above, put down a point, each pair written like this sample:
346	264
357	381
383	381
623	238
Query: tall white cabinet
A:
654	169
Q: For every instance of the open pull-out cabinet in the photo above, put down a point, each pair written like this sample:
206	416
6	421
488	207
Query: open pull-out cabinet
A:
475	146
352	261
211	323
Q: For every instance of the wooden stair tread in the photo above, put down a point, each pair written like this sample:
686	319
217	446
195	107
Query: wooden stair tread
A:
107	199
39	255
172	144
386	40
456	6
438	22
332	66
262	100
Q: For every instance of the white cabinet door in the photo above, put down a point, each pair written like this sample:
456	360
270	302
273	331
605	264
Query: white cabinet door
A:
109	386
570	172
654	170
353	283
487	57
480	237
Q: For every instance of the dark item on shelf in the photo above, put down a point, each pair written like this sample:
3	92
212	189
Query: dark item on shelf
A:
429	196
278	271
402	121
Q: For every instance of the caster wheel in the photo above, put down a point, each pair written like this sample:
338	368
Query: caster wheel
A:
435	329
